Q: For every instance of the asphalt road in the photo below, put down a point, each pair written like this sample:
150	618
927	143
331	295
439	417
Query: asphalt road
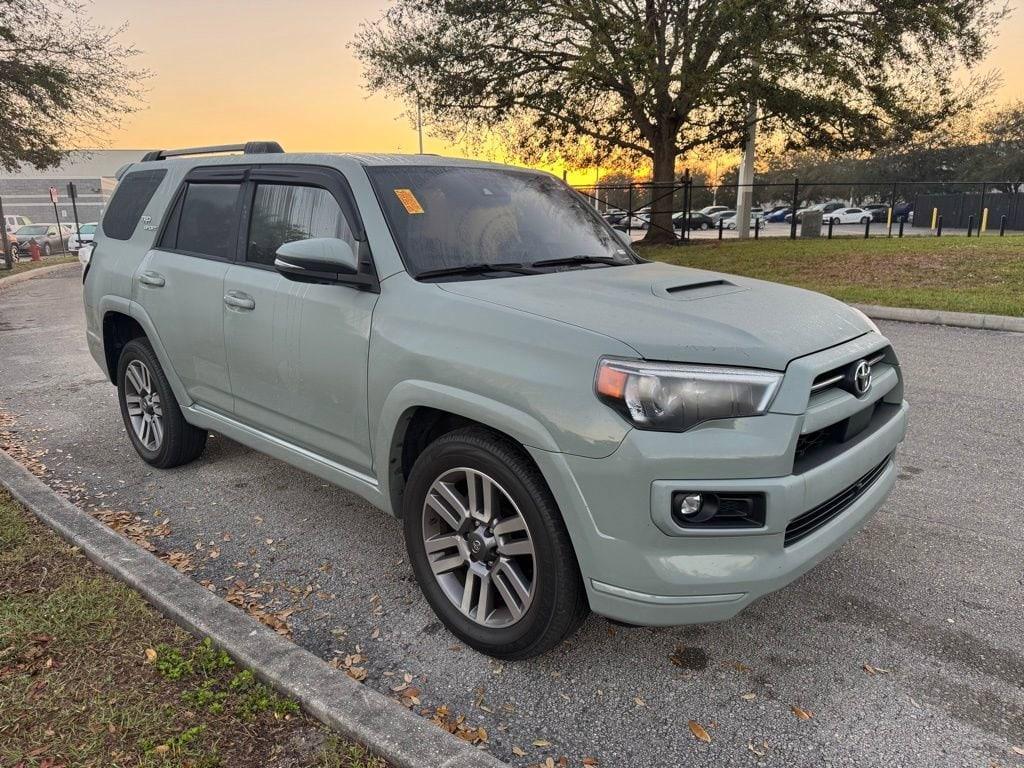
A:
931	591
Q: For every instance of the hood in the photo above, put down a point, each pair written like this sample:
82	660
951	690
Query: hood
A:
678	314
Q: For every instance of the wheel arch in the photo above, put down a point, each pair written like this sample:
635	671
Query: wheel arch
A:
416	413
130	320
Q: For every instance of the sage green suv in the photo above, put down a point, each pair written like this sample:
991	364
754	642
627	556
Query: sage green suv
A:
561	425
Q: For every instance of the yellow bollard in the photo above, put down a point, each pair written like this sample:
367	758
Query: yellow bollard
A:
984	221
935	217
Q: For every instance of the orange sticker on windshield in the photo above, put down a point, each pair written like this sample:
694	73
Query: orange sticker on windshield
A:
408	199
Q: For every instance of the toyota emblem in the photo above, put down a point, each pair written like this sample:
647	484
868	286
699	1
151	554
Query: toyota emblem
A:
862	377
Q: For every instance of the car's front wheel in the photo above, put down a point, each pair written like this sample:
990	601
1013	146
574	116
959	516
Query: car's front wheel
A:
488	546
151	414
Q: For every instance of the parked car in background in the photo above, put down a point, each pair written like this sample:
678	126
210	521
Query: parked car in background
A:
559	429
879	211
723	214
779	215
756	215
848	216
697	220
825	208
711	210
13	221
83	235
903	211
49	237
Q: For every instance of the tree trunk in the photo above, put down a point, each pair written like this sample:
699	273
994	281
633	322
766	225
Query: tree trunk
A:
663	192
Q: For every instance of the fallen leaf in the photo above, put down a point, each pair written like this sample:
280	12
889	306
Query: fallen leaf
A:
639	702
760	749
590	762
150	655
518	751
748	696
699	731
541	743
1018	750
162	749
875	670
801	713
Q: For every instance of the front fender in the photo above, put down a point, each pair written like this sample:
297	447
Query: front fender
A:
411	394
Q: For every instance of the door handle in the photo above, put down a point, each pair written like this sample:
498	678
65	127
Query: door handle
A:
239	300
154	279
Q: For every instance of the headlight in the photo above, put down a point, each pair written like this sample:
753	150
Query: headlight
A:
673	398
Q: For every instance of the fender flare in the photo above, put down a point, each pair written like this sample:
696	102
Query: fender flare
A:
135	311
413	393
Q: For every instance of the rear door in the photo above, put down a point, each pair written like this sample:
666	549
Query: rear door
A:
180	283
297	352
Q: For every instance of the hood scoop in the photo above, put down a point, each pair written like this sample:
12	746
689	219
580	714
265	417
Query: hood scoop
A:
695	289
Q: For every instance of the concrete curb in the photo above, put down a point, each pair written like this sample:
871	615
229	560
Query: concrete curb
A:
942	317
357	712
7	282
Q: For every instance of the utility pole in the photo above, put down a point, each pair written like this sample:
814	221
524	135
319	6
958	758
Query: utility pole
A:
419	123
745	189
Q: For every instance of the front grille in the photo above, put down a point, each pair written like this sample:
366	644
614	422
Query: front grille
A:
836	376
802	526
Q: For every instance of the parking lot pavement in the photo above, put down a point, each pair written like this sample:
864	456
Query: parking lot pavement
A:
928	595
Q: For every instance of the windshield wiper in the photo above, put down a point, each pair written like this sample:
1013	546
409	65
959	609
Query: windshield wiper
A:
478	268
578	260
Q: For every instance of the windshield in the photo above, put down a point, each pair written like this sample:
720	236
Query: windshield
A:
32	229
449	217
88	229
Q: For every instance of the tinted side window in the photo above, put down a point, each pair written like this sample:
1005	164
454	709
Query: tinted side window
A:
130	199
284	213
208	221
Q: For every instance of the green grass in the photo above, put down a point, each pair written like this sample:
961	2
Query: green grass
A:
952	273
91	676
25	265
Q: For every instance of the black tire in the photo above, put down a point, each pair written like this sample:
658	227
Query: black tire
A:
559	603
181	442
865	219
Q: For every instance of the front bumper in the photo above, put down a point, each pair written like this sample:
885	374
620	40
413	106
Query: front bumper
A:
639	567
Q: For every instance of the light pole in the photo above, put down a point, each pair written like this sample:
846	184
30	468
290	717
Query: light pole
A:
419	123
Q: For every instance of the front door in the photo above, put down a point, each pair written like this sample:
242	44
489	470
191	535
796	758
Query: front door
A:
297	351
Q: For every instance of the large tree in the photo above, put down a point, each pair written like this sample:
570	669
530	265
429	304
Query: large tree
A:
660	78
65	81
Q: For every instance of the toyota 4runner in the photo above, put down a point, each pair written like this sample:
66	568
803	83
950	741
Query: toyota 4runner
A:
561	425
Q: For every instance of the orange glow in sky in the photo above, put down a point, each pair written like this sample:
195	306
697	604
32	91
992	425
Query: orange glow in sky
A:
233	70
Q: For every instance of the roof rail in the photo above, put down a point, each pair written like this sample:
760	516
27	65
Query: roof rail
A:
249	148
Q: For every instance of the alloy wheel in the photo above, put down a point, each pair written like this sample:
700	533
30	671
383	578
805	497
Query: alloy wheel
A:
479	547
144	408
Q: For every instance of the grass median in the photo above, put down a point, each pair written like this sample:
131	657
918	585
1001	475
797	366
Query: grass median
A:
952	273
91	676
26	265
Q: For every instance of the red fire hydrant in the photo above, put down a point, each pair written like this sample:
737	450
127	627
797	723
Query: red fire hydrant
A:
35	251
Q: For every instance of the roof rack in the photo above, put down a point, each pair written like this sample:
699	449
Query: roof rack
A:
249	148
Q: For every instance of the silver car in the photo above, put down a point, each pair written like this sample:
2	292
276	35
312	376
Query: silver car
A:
560	425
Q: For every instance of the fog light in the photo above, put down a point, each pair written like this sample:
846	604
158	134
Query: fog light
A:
690	505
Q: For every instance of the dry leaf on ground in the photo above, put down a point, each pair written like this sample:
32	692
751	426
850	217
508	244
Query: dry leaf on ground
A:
699	731
800	712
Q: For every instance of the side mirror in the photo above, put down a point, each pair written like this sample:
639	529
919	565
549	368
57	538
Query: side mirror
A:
319	259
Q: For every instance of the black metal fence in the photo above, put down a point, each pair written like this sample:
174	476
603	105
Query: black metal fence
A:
890	209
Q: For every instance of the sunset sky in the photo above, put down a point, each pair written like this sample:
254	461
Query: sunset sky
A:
231	70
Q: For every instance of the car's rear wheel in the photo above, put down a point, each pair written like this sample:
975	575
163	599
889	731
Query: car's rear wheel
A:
150	411
865	219
488	546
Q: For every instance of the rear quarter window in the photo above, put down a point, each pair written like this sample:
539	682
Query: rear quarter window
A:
129	201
